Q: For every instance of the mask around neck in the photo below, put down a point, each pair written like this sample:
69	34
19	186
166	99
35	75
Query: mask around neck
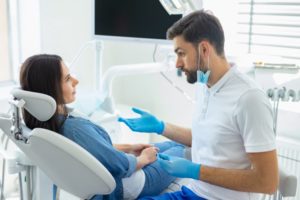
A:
203	77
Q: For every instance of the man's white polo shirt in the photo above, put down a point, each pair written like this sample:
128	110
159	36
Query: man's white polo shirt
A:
231	119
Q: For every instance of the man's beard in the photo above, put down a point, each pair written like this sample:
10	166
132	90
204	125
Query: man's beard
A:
191	76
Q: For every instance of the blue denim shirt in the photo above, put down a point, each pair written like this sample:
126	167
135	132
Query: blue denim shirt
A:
97	142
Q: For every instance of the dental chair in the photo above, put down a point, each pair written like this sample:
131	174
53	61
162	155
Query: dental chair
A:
67	164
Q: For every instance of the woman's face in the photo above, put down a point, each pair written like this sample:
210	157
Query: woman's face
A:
68	84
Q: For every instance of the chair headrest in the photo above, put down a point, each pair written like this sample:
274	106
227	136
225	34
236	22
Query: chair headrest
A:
41	106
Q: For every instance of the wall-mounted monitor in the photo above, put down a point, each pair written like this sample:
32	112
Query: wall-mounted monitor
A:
144	20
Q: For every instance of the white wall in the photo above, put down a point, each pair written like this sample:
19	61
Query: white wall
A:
226	17
29	28
27	33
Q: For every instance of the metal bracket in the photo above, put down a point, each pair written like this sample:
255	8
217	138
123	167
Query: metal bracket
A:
16	128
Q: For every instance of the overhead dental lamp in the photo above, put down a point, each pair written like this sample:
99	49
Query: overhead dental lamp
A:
175	7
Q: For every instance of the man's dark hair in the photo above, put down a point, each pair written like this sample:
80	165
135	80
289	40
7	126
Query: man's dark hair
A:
199	26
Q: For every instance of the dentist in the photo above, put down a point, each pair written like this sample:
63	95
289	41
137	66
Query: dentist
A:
232	138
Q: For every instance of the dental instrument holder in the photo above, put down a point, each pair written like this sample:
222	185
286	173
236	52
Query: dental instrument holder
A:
284	95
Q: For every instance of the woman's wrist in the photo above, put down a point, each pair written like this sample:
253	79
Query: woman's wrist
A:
123	147
141	162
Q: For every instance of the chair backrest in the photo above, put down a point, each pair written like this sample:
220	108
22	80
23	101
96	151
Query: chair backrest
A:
67	164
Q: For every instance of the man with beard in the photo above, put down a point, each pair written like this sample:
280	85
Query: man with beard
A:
232	138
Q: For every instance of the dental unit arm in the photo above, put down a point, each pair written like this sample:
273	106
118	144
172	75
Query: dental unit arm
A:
175	7
125	70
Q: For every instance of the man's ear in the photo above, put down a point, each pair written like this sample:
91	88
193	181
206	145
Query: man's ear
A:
204	48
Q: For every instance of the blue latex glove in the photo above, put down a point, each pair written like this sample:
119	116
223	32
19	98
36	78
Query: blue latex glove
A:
179	167
145	123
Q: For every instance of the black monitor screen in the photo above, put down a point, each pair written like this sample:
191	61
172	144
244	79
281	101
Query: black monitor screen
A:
132	18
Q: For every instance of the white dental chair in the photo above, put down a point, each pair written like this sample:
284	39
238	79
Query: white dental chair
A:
67	164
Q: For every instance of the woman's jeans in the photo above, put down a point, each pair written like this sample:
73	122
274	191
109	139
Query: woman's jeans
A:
157	179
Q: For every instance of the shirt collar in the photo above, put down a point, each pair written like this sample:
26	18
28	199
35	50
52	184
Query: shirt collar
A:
220	83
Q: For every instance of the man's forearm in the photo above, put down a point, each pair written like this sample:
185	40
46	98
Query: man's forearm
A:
261	178
178	134
240	180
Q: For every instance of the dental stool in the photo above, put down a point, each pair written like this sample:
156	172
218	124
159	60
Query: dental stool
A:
67	164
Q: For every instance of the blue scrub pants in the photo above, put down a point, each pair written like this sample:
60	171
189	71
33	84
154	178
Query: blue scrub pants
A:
183	194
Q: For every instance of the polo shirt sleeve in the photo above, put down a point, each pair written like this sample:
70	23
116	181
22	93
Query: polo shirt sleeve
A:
254	119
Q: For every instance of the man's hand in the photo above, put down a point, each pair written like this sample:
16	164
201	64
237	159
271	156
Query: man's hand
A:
179	167
146	123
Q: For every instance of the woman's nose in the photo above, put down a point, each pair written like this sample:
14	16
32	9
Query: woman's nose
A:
75	81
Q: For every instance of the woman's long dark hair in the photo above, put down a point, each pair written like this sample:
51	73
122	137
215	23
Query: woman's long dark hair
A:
43	74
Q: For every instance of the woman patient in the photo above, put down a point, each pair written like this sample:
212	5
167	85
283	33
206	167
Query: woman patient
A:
134	167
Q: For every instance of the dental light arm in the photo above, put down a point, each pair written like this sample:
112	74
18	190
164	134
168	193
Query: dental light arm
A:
184	7
125	70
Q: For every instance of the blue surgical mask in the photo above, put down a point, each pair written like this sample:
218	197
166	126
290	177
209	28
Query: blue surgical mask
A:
203	77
